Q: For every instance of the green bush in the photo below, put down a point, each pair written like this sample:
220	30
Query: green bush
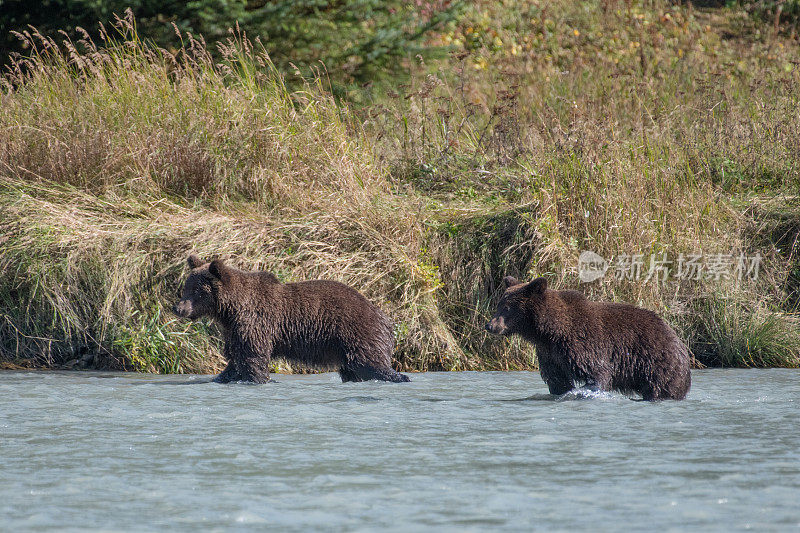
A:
355	40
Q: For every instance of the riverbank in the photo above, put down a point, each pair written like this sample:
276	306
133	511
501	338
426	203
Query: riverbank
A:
657	132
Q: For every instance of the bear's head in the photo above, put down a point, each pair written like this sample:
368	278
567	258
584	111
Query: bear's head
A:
200	296
518	309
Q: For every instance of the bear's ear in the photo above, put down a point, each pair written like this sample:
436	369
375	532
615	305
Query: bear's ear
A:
220	270
510	281
194	261
537	286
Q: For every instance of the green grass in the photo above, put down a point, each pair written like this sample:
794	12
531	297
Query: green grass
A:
731	333
550	132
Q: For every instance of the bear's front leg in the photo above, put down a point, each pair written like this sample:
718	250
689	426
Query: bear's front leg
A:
230	373
558	381
254	371
250	365
600	378
227	375
559	387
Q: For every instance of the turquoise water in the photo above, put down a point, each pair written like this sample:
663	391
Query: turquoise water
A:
449	451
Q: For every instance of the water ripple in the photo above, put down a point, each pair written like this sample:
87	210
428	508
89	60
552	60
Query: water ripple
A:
449	451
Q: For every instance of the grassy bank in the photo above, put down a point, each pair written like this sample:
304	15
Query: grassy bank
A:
625	129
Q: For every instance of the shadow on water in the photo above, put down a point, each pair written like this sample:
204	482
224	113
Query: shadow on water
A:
205	382
131	377
193	382
356	399
568	397
534	398
437	400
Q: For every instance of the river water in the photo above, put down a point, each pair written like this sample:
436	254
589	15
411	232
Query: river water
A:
460	451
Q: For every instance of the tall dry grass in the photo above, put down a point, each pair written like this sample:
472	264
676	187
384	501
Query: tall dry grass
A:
616	127
118	159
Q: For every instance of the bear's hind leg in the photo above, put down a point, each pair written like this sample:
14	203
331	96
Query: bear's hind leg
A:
348	375
651	393
366	373
649	396
389	374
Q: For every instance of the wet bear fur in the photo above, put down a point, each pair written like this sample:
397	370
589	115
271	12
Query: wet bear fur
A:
611	346
319	324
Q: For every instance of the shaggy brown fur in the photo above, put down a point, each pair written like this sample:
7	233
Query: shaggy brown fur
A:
607	345
319	324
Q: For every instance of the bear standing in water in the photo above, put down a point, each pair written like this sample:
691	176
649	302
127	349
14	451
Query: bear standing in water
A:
608	345
320	324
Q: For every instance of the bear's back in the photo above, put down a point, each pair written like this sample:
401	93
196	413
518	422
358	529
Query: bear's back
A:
323	324
624	316
329	294
613	323
331	305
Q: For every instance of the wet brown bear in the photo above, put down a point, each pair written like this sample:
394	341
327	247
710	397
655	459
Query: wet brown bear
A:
319	324
605	345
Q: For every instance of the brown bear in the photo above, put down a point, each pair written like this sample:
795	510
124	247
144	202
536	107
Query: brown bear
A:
610	346
319	324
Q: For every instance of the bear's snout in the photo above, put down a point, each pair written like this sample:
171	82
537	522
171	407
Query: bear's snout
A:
497	325
183	309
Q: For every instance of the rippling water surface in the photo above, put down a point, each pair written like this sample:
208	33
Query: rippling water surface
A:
449	451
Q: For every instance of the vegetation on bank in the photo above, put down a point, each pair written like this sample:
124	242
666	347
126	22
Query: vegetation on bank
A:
620	128
359	40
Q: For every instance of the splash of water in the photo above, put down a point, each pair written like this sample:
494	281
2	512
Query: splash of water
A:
587	392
